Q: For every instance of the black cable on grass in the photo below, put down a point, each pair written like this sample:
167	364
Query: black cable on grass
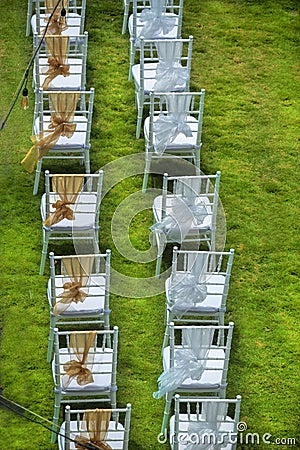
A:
23	82
21	411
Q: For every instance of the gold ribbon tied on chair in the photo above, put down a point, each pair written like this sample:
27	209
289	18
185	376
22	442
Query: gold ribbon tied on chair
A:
95	424
57	47
67	187
78	270
58	23
80	344
61	125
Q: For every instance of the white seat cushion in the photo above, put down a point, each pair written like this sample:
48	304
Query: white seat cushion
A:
92	304
78	140
84	212
73	23
101	369
114	436
212	374
70	82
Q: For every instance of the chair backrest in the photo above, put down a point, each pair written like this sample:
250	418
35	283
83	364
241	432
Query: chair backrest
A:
203	421
116	435
185	108
167	14
86	348
202	187
45	109
92	270
203	265
74	19
201	340
63	56
83	191
165	64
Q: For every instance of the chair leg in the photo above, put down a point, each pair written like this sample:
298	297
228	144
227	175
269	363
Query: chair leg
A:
125	18
164	425
57	402
131	59
107	327
87	161
139	118
44	251
146	172
197	160
29	14
51	338
37	177
158	262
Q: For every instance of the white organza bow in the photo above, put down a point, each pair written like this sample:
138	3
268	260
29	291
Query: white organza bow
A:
189	362
155	22
167	127
170	75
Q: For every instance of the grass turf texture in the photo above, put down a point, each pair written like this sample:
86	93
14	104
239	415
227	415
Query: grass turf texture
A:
246	56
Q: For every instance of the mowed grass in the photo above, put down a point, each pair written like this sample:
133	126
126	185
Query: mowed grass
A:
246	56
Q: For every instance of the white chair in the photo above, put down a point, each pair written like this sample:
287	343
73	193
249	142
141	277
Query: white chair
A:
153	19
95	426
59	66
197	290
186	212
78	292
72	23
205	423
197	363
84	368
70	210
165	66
173	128
61	129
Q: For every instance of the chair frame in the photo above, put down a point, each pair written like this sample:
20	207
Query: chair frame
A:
171	8
74	10
182	258
189	402
85	395
147	67
157	107
116	412
81	152
220	391
208	236
91	318
77	52
50	234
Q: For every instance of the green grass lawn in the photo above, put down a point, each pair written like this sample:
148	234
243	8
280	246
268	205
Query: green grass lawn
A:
246	56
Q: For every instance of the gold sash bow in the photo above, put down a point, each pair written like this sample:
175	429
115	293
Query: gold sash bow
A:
80	344
62	212
80	441
55	68
95	424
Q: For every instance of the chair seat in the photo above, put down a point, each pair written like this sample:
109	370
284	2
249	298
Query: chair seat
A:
73	23
181	142
173	34
157	212
84	213
70	82
149	80
102	363
211	377
78	140
212	303
184	419
114	438
92	304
